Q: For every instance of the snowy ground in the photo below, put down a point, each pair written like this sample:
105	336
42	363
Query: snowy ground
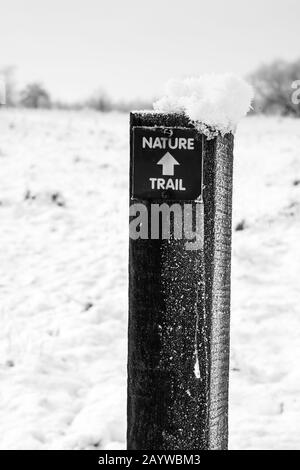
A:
63	286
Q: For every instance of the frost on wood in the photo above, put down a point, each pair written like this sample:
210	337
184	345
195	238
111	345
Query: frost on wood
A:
214	103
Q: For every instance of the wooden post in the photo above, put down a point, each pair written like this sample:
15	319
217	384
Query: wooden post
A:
179	309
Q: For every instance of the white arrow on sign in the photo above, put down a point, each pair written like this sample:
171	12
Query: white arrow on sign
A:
168	162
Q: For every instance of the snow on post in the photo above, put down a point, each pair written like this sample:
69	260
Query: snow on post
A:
181	159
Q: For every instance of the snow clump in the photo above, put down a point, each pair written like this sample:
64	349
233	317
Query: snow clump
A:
214	103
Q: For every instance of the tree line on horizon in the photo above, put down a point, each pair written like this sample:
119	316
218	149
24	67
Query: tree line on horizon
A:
272	86
35	96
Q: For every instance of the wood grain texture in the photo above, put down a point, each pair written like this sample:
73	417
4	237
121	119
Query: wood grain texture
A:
218	165
179	306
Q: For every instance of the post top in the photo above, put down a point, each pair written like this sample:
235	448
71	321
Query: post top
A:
152	118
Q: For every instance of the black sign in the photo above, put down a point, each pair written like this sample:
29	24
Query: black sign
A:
167	163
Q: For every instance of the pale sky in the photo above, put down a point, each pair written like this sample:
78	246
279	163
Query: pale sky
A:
131	47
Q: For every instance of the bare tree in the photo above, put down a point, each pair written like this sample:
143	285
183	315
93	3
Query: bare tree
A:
100	101
35	96
273	88
8	74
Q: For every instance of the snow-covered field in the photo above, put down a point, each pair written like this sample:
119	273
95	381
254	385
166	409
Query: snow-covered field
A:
63	282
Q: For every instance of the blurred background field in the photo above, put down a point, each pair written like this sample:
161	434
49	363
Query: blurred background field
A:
63	271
